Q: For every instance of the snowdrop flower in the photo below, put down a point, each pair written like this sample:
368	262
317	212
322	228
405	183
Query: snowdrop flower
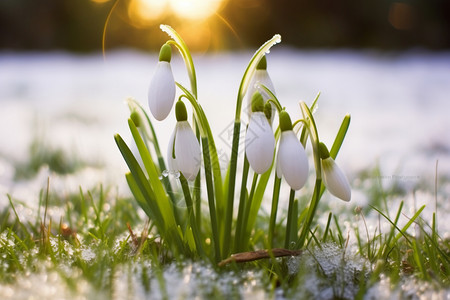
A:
292	162
333	178
183	153
161	93
261	76
259	139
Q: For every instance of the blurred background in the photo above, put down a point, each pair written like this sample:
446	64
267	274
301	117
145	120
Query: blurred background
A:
209	25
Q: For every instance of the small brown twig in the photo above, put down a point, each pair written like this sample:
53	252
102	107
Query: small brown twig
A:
259	254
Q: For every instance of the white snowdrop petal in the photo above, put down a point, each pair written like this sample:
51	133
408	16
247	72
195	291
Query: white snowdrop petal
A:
161	93
187	151
259	143
292	160
335	180
259	77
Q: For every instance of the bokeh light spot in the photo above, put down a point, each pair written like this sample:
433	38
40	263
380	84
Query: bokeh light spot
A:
401	16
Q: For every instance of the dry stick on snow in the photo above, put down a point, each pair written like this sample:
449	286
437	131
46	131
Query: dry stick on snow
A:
259	254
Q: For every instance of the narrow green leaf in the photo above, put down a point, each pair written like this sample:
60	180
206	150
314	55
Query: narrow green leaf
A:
141	182
165	206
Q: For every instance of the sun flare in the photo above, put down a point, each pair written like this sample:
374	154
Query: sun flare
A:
152	11
195	9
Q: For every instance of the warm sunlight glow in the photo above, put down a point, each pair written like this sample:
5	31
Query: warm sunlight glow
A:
195	9
147	11
150	12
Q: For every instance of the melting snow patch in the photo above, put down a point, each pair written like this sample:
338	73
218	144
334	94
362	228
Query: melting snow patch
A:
327	273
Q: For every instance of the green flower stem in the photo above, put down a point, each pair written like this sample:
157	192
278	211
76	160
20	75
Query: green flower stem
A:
273	99
258	197
210	191
179	43
273	212
197	186
311	212
190	209
210	159
311	127
248	205
242	200
291	222
231	185
307	115
185	53
236	132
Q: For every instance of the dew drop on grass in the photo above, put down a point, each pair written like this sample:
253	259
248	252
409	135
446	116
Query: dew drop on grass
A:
165	173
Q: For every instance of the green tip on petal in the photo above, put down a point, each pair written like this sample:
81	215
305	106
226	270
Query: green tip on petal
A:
268	110
262	65
323	151
165	54
135	118
285	121
180	111
257	102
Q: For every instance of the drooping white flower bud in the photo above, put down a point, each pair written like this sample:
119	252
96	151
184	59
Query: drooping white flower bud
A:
161	93
183	153
292	162
259	139
333	177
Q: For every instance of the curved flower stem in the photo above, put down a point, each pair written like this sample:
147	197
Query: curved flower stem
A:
307	115
185	53
236	132
273	99
311	127
273	212
242	199
300	121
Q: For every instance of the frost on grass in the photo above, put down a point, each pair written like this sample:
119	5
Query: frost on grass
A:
327	273
409	288
144	280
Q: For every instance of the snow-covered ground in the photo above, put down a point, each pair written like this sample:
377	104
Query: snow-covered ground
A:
399	105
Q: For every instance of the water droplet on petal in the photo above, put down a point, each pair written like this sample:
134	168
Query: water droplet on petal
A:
160	177
176	175
165	173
